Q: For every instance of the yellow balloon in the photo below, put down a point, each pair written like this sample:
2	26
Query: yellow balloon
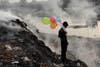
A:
53	25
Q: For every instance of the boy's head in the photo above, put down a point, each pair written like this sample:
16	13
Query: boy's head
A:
65	24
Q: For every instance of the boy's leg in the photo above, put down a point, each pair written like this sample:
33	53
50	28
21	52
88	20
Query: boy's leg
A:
63	51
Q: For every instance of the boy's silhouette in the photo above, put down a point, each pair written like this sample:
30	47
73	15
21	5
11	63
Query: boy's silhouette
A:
64	43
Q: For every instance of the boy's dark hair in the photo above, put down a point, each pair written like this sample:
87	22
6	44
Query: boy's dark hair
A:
65	23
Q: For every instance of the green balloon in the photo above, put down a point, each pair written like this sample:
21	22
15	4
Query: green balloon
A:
46	20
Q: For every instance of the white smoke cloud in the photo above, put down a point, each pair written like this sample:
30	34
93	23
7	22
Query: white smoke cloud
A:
5	20
82	11
86	52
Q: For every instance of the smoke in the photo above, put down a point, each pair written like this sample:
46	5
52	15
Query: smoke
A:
82	11
84	50
6	15
78	11
5	20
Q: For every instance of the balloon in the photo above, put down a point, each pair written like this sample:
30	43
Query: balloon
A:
52	19
53	25
45	20
58	19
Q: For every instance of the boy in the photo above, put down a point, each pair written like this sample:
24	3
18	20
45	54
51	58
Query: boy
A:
64	43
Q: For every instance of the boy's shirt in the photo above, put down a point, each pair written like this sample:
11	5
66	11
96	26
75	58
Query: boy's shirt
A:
62	34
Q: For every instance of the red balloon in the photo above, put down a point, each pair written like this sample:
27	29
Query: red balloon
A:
52	19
